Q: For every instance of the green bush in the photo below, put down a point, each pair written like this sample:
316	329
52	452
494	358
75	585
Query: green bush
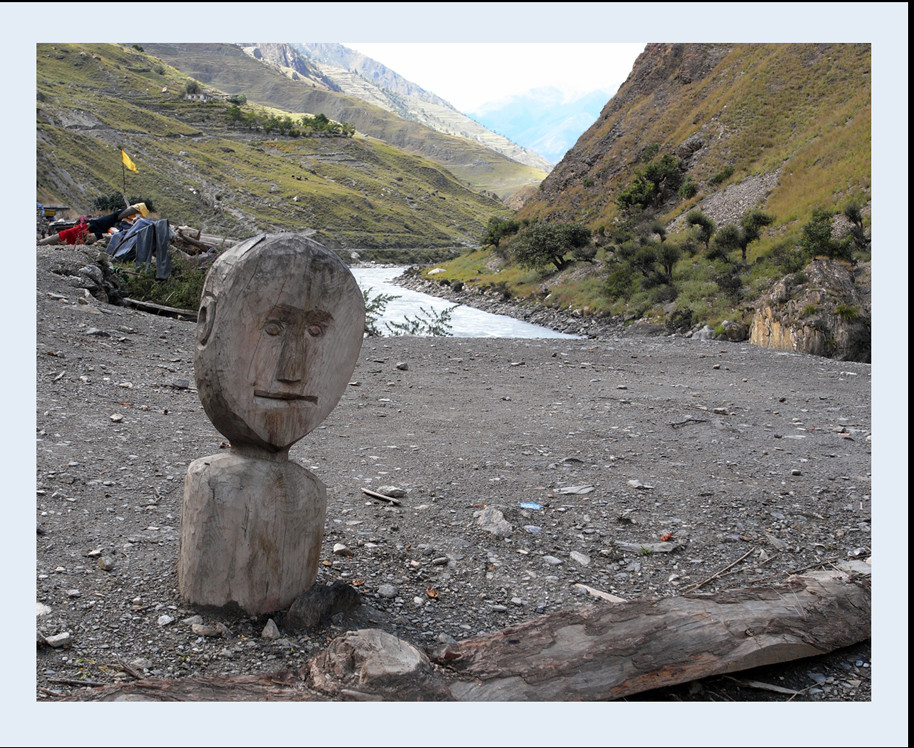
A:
846	313
182	290
687	189
722	176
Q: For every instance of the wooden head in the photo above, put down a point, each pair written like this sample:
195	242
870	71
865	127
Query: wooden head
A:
279	331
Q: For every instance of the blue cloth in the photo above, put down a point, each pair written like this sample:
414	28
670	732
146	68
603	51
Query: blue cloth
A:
143	240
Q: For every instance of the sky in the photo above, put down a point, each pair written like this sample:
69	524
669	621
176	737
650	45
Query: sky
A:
469	75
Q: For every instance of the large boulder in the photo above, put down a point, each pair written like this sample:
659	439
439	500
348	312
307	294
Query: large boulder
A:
820	310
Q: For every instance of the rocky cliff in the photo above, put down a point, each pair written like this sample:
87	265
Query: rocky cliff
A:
821	310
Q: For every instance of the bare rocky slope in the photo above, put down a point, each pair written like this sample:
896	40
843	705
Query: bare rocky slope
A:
530	470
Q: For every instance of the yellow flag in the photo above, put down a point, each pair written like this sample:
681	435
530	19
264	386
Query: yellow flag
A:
127	162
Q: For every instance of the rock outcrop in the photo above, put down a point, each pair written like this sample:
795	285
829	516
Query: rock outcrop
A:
820	310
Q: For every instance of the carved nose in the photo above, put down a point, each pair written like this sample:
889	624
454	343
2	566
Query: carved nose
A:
291	366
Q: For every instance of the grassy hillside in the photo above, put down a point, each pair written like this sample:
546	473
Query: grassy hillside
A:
94	99
780	128
753	108
227	68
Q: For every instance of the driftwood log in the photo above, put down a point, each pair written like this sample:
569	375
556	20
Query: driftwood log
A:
599	652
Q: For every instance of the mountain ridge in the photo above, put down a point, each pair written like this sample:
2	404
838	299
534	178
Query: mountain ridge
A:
228	68
224	177
392	91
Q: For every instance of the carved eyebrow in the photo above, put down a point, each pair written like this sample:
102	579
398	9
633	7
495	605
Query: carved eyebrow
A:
291	314
318	316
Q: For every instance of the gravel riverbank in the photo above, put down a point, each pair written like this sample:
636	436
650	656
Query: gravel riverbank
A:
529	469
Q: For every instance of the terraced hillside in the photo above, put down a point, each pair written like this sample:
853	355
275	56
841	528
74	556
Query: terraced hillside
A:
227	68
198	169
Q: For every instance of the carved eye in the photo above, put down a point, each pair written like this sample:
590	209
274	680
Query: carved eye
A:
272	327
315	331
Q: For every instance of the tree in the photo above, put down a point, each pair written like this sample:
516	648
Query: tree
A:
857	234
818	237
542	243
191	86
498	228
704	226
731	237
653	184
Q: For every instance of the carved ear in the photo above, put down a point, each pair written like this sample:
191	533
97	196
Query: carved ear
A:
205	318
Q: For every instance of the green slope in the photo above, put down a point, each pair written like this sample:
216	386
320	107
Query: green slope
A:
754	108
228	68
94	99
785	128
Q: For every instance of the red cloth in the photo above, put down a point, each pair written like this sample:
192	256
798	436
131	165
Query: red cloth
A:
75	235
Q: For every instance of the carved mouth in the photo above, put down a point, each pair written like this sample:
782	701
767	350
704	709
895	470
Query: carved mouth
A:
286	396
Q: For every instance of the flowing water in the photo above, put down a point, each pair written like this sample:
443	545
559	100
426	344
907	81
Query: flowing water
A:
466	322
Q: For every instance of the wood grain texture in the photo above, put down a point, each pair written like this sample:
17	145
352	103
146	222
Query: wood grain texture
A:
250	532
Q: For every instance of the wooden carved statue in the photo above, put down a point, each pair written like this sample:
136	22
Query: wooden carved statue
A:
279	332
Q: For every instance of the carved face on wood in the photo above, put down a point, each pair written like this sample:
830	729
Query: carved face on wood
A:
279	332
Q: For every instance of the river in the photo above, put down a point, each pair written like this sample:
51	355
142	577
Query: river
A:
466	322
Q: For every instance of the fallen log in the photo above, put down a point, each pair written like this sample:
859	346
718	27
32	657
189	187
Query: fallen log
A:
170	311
603	651
615	650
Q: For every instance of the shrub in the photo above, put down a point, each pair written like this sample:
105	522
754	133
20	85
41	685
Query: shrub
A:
182	289
687	189
722	176
846	313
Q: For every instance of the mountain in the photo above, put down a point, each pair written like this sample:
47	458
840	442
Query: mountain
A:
798	111
306	89
725	130
235	177
542	119
361	76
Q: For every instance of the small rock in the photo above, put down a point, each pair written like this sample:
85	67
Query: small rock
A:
164	620
106	563
635	483
403	366
493	521
533	529
339	549
795	472
388	591
198	619
202	630
41	609
392	492
270	631
73	593
552	560
580	558
59	640
116	418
